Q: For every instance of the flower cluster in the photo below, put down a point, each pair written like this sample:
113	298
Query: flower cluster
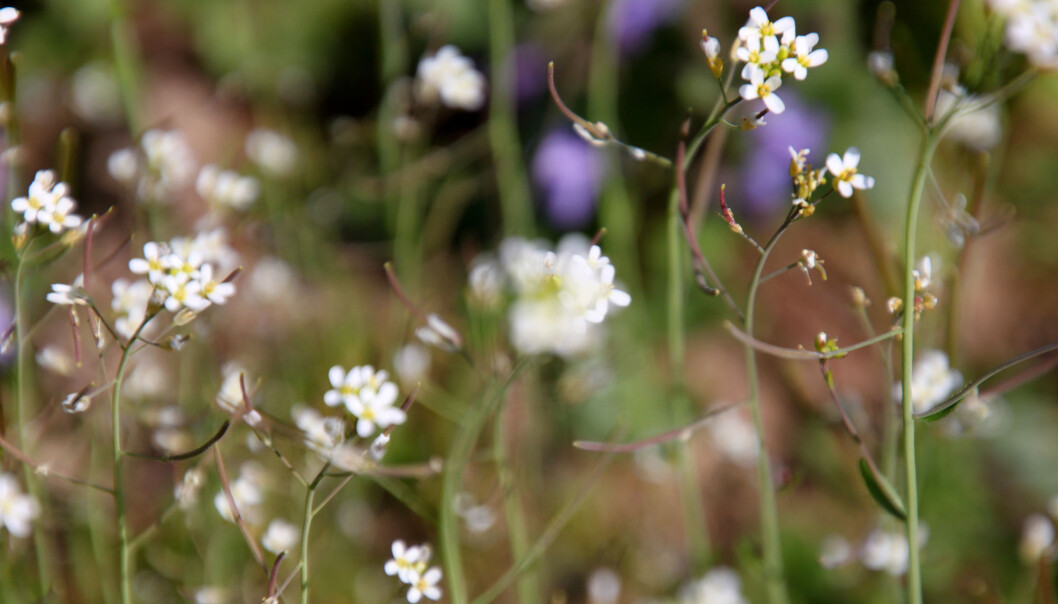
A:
561	296
367	395
163	163
769	50
1031	28
450	76
412	566
932	380
182	274
48	204
924	299
17	510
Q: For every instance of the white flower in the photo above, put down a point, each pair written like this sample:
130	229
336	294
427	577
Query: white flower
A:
804	57
720	585
451	77
68	295
711	48
59	217
43	197
183	294
406	561
322	434
217	292
17	511
1037	536
834	552
226	188
486	281
378	447
246	491
756	54
230	396
885	551
844	170
8	15
130	301
426	585
763	89
760	27
152	264
735	437
932	380
281	536
976	122
604	586
272	152
440	334
367	395
123	166
923	274
186	492
170	163
411	363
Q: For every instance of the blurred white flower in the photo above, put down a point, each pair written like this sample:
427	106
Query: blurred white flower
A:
186	492
1031	28
976	122
411	363
8	15
247	493
272	152
322	434
604	586
735	437
835	551
1037	537
932	380
226	188
17	511
129	301
888	552
55	360
230	396
450	76
425	585
720	585
123	166
440	334
281	536
170	164
95	94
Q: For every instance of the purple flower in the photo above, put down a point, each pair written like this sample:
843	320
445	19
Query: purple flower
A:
569	173
530	72
764	174
632	22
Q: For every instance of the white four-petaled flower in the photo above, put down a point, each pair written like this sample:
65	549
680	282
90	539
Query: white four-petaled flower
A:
846	178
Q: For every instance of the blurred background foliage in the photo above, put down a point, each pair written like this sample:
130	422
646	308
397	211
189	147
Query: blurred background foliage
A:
333	74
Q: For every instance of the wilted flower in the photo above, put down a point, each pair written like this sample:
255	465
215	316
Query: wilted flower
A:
69	295
440	334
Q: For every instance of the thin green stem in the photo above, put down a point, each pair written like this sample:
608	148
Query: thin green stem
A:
306	525
125	63
918	182
775	582
40	536
124	578
528	584
503	129
690	491
456	462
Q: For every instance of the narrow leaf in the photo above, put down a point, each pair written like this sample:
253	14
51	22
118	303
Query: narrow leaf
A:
883	492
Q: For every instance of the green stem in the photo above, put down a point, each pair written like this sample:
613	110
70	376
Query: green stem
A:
690	491
40	537
528	582
914	570
125	62
456	463
775	582
616	209
306	525
503	129
117	459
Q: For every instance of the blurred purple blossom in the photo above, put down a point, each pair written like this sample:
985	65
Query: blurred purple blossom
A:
631	23
764	174
530	72
569	172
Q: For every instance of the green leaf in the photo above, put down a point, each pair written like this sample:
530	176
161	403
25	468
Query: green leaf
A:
882	491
